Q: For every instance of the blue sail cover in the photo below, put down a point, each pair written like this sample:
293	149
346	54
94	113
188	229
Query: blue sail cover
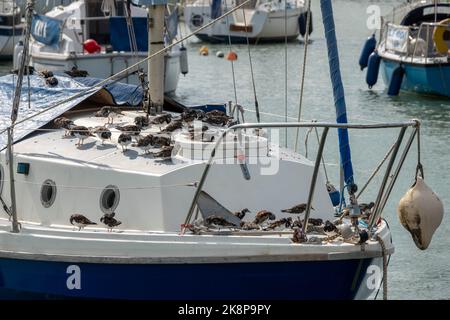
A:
120	41
338	89
46	30
216	9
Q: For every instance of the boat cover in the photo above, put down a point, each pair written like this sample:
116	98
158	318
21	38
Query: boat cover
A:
43	96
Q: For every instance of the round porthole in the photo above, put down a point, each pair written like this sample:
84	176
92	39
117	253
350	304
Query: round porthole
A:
48	193
109	199
2	177
197	20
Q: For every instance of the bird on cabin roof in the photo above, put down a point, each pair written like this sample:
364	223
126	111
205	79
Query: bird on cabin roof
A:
217	117
162	119
161	140
174	125
218	221
145	143
109	221
103	133
124	140
63	122
142	121
165	152
131	129
80	221
108	112
300	208
81	133
262	216
241	214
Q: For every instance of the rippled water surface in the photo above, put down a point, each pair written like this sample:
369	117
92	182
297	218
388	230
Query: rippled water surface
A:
413	274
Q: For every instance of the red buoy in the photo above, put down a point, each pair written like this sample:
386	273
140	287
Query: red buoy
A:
91	46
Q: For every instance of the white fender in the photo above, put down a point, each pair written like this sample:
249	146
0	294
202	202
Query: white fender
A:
420	211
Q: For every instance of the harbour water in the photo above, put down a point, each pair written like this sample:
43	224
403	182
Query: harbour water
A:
413	274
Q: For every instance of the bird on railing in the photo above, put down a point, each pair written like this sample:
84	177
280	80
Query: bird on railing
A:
63	122
80	221
241	214
108	112
109	220
103	133
262	216
124	140
298	209
81	133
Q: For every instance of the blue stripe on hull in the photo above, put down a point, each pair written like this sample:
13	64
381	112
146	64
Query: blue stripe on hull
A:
430	79
270	280
241	40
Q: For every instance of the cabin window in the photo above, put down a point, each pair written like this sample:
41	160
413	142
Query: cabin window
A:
109	199
48	193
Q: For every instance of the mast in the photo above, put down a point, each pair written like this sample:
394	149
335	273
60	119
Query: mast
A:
338	91
156	11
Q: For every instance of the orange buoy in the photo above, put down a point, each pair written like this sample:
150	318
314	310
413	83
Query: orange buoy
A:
204	51
231	56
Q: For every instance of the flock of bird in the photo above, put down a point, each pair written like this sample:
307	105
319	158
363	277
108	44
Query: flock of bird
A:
166	123
107	219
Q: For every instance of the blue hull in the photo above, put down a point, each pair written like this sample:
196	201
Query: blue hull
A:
259	280
429	79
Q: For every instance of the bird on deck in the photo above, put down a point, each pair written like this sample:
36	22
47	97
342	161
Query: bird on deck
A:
315	222
63	122
80	221
217	221
161	140
241	214
81	133
287	222
51	81
263	216
298	209
174	125
161	120
165	152
109	220
131	129
74	72
216	117
124	140
142	121
108	112
145	143
245	225
330	228
46	73
189	115
299	236
102	133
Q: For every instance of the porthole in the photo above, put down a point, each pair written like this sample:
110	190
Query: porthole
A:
48	193
109	199
197	20
2	177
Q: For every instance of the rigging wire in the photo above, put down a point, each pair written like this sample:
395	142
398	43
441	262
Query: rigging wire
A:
232	62
302	86
285	74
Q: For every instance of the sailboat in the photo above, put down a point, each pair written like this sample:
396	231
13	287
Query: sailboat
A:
413	49
258	21
137	202
100	37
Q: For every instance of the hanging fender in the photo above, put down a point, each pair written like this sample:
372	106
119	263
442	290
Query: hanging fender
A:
439	35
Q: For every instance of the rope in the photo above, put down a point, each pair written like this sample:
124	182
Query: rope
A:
384	280
163	50
302	86
251	70
376	170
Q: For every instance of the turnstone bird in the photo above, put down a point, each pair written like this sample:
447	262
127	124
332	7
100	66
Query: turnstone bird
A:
131	129
142	121
81	133
241	214
217	221
51	81
245	225
174	125
299	236
315	222
165	152
103	133
297	209
217	117
189	115
109	220
76	73
145	143
80	221
287	222
162	120
63	122
160	140
330	228
366	208
46	73
263	216
108	112
124	140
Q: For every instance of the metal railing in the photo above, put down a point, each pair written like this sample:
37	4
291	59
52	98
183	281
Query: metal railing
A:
385	188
